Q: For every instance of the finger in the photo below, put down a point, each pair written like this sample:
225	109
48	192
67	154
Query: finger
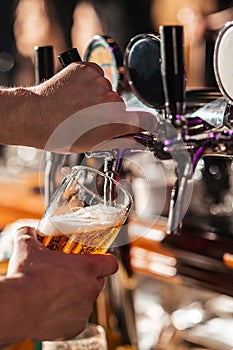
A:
96	67
119	142
107	265
23	243
26	230
25	235
101	281
145	120
105	83
26	239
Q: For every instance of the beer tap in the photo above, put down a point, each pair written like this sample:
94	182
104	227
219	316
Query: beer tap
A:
183	137
173	77
43	61
44	69
167	101
180	136
205	235
192	136
155	69
199	224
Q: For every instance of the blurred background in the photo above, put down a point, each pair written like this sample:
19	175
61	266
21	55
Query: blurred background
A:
26	23
167	313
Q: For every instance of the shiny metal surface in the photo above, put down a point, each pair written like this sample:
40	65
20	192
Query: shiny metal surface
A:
203	133
142	68
223	61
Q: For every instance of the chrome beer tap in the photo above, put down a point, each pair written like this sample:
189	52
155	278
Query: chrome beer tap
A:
205	233
183	137
155	70
187	137
206	131
173	76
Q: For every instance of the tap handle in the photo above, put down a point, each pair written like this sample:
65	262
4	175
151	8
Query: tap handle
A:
44	69
68	57
44	65
172	68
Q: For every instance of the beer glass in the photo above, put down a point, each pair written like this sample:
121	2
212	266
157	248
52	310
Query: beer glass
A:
85	213
92	338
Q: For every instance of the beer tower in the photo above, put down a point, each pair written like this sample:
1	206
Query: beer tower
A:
186	133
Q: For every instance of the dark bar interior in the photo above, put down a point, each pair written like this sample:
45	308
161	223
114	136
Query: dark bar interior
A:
168	59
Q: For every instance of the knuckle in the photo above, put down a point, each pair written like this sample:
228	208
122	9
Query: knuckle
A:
90	69
22	240
104	83
114	97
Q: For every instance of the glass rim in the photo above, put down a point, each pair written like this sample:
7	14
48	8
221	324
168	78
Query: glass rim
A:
99	331
79	167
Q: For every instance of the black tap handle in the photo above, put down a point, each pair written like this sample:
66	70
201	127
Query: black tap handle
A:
173	68
44	64
68	57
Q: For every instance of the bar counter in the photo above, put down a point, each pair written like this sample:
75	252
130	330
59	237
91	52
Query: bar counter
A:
20	198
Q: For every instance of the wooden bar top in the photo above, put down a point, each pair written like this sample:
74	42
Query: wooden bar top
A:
20	197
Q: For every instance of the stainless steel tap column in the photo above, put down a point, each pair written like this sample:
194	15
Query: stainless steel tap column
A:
173	75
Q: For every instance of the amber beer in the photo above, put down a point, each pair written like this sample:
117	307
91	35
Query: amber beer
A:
85	213
89	230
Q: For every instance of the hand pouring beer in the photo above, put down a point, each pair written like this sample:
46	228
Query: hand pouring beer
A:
85	213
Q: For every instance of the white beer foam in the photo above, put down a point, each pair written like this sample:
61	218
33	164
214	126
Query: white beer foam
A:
84	219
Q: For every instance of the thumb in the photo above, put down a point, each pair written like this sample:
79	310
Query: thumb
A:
23	244
26	231
24	237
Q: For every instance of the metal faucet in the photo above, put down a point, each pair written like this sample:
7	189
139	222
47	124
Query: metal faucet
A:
185	138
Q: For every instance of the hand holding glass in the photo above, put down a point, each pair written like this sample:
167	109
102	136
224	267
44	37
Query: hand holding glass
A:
85	213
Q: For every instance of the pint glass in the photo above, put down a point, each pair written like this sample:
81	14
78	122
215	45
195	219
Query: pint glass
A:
92	338
85	213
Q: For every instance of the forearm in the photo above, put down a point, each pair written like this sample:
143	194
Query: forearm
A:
76	106
17	105
13	311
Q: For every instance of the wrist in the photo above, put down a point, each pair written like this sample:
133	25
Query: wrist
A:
15	316
19	116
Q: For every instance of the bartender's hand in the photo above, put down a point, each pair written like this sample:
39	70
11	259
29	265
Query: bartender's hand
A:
73	89
57	290
77	108
86	111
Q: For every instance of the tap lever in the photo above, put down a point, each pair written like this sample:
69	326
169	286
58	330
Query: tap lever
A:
44	65
173	71
68	57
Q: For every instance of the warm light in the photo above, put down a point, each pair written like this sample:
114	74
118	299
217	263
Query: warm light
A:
183	319
34	27
154	262
185	15
31	25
